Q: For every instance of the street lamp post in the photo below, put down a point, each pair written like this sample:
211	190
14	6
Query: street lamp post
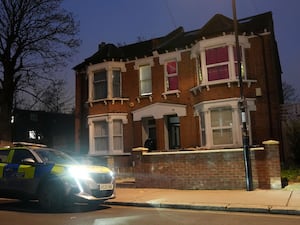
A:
242	105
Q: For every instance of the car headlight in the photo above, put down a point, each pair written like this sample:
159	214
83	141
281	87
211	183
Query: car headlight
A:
112	174
79	172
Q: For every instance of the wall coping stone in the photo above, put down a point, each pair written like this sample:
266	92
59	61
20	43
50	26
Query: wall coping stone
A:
202	151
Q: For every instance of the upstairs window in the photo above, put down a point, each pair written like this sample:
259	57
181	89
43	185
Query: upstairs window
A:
217	62
236	62
100	85
171	75
105	81
145	80
116	83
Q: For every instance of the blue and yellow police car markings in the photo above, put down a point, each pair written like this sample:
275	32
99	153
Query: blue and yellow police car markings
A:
10	170
41	170
2	165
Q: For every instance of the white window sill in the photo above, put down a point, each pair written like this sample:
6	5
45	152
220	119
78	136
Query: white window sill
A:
138	99
117	153
227	82
107	100
173	92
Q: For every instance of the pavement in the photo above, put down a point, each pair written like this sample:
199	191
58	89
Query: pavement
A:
282	201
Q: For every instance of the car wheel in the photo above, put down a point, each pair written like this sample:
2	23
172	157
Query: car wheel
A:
52	195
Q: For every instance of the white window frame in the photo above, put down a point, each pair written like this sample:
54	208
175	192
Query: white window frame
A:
221	127
109	119
143	62
109	67
167	76
143	80
101	136
119	83
226	40
97	82
205	108
163	60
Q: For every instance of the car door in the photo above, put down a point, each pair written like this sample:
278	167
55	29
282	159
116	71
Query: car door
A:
3	162
19	175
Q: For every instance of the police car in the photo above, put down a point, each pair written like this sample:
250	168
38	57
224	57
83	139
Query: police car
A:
30	172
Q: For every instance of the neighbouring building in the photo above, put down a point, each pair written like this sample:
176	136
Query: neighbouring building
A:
180	90
55	130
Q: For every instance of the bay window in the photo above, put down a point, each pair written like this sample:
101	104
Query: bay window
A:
100	85
221	125
220	122
216	61
116	83
101	136
117	135
105	81
106	133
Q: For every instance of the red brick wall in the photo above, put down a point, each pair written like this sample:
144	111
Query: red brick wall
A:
264	121
222	169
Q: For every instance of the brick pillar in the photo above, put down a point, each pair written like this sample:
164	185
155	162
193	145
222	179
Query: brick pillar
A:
138	173
273	163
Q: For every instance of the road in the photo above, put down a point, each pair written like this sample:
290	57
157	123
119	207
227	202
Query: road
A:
18	213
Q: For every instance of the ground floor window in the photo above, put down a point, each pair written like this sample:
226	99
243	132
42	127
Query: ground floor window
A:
106	134
220	122
117	135
221	125
101	136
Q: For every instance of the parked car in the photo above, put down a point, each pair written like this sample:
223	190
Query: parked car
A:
53	177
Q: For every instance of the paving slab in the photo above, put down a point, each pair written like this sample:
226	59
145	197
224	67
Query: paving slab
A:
281	201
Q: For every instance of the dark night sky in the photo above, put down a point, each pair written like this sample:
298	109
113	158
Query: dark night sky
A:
123	21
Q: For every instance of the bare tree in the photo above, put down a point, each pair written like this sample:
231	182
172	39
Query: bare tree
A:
36	39
56	99
289	93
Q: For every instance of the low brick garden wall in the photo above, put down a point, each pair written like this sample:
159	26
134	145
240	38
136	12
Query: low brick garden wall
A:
207	169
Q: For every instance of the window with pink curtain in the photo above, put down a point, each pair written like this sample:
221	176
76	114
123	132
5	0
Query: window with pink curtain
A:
173	83
171	75
172	67
218	72
217	56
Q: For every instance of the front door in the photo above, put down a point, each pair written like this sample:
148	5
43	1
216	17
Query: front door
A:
174	131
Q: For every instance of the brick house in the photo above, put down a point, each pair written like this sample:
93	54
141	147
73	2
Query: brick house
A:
180	90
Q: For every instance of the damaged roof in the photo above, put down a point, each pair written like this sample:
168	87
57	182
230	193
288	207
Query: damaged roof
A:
179	39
